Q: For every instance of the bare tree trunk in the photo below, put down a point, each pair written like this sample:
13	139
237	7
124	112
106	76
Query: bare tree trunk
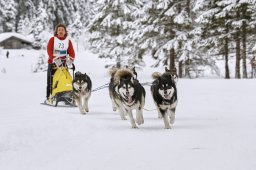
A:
226	58
244	34
180	69
118	61
172	59
188	7
238	56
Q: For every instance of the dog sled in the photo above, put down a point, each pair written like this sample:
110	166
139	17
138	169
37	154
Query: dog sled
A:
61	84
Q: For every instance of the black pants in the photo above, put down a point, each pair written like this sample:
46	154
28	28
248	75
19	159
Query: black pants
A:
50	73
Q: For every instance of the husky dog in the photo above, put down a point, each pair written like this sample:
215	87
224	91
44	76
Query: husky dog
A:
112	72
82	86
127	94
164	93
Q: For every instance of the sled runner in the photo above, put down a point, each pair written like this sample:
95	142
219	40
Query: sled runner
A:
61	84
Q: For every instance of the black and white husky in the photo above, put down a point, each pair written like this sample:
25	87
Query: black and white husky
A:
164	93
82	86
127	94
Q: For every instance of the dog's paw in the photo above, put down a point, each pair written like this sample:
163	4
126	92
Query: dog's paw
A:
167	127
83	113
140	121
134	126
123	118
114	109
172	121
160	116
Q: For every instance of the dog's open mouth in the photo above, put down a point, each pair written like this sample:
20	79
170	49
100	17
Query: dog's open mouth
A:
128	98
167	96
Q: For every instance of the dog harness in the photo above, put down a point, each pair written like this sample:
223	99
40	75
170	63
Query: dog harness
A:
60	47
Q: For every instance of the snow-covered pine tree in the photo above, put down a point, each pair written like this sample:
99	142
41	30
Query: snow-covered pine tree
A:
164	30
39	25
224	24
25	10
76	29
245	10
236	24
24	26
110	29
194	61
86	10
1	15
215	28
60	11
252	40
8	13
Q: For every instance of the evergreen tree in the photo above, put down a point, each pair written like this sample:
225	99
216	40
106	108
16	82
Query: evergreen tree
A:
245	10
24	26
215	28
8	13
86	10
110	28
25	10
1	15
164	30
39	25
75	29
60	11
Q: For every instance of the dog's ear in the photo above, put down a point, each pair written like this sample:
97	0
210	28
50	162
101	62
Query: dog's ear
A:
117	81
85	76
166	69
134	72
174	78
77	73
132	80
159	79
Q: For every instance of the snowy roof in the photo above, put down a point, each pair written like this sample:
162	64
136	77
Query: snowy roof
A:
4	36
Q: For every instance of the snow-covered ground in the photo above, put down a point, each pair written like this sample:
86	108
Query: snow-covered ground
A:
214	129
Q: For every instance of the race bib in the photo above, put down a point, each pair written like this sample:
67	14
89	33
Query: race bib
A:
60	47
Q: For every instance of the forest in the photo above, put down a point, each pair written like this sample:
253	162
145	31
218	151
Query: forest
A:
184	35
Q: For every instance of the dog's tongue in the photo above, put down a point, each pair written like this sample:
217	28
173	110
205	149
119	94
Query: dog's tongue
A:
129	99
168	97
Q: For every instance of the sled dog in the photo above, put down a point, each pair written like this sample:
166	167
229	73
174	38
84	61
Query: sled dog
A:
127	94
82	86
164	92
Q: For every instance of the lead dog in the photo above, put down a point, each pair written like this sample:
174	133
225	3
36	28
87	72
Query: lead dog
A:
127	94
82	87
164	92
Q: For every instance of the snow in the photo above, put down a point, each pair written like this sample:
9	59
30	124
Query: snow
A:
254	48
4	36
215	123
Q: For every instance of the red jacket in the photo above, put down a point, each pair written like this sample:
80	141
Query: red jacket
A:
50	47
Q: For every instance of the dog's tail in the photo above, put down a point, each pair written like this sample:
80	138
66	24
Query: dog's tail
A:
156	75
122	73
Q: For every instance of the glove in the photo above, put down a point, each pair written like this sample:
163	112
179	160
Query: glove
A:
57	61
69	62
